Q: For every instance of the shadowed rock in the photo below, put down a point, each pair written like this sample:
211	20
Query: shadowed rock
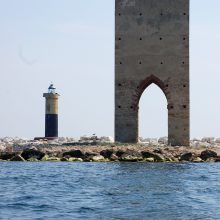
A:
208	154
64	159
6	155
32	153
119	153
187	156
217	159
106	153
17	158
74	153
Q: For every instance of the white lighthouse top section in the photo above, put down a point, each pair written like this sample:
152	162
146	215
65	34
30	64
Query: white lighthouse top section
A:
52	89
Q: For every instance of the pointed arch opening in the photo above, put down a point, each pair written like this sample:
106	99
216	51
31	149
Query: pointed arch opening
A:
151	101
153	113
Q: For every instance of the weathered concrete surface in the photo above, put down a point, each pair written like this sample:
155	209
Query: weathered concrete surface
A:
152	46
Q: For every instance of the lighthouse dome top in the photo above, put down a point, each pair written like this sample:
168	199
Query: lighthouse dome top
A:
51	89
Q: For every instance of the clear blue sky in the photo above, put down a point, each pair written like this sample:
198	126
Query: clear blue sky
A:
71	43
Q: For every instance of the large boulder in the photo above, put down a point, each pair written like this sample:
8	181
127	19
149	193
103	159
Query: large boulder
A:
131	156
6	155
187	156
119	153
17	158
32	153
208	154
74	153
157	157
89	155
106	153
98	158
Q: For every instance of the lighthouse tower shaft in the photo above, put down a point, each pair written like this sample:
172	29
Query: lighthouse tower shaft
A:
51	116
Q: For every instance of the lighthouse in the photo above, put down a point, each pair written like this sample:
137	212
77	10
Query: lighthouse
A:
51	112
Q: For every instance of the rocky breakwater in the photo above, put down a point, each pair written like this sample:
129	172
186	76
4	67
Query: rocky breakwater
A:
111	153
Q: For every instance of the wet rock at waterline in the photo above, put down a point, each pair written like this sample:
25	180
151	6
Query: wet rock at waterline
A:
17	158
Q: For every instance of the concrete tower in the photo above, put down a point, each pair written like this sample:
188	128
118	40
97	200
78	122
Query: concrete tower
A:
152	46
51	117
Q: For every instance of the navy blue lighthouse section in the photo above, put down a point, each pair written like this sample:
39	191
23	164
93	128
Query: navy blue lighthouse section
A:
51	125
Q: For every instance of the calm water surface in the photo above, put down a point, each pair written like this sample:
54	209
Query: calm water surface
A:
51	190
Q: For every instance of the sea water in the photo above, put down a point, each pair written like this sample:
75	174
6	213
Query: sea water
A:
64	190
